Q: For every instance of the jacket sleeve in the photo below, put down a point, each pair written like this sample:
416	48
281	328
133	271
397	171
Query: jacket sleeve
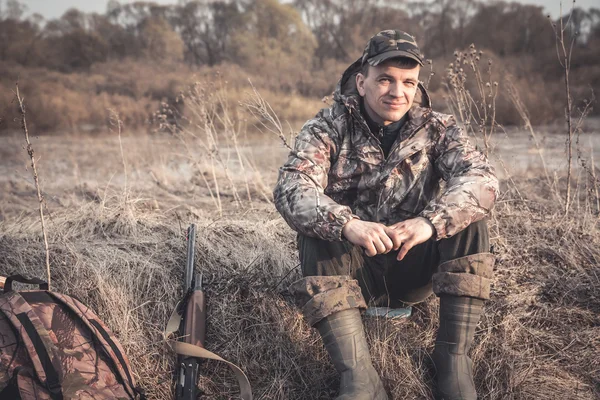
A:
299	193
471	184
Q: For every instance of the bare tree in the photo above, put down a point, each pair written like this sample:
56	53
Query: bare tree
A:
206	29
341	28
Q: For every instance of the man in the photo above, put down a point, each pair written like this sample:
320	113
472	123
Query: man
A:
389	200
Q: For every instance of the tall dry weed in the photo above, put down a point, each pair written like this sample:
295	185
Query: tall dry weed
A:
213	134
564	53
34	172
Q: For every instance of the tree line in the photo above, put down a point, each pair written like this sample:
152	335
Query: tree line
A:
211	32
298	44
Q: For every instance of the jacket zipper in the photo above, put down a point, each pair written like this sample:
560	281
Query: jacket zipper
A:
385	161
380	171
364	125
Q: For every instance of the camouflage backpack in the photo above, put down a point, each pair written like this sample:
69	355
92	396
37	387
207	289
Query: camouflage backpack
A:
54	347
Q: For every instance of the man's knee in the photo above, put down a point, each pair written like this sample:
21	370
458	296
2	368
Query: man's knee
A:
474	239
322	257
478	226
321	296
465	276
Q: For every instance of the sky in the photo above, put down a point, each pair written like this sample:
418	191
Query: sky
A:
55	8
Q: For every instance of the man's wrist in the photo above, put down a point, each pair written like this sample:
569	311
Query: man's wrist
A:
433	230
347	224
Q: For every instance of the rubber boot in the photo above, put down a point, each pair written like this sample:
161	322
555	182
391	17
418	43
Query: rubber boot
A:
454	369
344	339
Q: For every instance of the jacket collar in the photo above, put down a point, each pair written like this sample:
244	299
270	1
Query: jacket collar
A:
375	127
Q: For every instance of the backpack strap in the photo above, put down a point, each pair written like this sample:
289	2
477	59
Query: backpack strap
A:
11	390
103	335
43	285
36	339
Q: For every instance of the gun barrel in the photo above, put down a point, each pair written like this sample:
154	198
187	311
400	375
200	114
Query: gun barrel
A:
193	327
189	267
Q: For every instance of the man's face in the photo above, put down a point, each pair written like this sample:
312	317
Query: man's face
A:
388	90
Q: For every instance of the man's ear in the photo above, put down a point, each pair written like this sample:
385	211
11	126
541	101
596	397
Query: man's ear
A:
360	84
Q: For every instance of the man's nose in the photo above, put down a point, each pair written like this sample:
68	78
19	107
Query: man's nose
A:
396	90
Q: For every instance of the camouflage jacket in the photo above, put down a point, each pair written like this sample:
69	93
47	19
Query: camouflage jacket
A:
337	171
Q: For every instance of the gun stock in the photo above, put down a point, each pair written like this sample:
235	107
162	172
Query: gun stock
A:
195	316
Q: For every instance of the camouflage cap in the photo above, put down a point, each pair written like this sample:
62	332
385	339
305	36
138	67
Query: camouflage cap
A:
390	44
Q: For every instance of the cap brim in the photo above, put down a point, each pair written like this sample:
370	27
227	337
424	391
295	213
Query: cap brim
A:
378	59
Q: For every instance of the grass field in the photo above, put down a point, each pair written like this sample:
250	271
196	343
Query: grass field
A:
116	231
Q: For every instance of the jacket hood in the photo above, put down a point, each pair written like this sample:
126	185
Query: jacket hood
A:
346	92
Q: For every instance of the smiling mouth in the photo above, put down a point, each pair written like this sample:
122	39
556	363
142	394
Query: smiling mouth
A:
395	105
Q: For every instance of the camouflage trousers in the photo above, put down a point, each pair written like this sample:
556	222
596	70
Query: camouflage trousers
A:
338	275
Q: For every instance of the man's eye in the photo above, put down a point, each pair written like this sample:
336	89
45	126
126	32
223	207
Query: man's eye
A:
410	83
384	80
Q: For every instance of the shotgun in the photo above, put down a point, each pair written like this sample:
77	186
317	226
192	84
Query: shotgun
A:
189	320
193	324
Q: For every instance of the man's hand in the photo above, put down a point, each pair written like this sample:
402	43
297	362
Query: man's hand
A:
407	234
372	236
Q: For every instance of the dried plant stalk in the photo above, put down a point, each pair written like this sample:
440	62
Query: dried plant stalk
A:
564	53
115	120
594	179
21	104
515	98
265	115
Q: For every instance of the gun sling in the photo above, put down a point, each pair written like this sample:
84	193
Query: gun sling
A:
190	350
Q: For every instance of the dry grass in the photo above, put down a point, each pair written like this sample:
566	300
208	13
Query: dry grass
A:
116	237
124	257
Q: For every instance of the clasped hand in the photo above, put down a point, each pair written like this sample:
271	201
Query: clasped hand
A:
377	238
